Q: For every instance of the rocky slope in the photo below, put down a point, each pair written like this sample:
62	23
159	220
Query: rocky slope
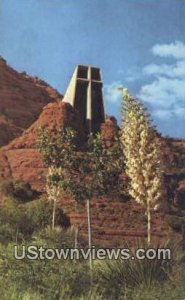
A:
21	159
21	100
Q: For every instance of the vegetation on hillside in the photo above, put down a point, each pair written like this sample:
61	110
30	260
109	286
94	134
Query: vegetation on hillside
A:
70	279
27	218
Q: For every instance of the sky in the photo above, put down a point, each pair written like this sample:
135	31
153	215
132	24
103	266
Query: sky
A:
139	44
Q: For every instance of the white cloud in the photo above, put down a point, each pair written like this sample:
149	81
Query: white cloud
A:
165	94
163	91
166	98
175	113
170	70
111	92
175	50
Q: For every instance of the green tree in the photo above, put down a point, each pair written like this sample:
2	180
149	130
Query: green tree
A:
141	147
98	173
58	152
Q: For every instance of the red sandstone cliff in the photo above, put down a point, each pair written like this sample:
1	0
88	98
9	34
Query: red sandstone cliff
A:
21	160
21	100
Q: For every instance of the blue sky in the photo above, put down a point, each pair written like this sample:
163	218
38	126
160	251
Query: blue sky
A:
139	44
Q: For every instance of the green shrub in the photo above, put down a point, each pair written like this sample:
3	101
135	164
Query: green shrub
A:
23	190
52	279
117	277
40	211
19	221
56	237
15	223
176	222
19	189
70	280
158	291
7	188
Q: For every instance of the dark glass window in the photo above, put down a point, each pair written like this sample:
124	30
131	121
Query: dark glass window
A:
82	72
95	74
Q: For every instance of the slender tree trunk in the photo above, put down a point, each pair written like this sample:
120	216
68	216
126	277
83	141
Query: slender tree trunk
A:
148	223
54	213
89	236
76	237
16	236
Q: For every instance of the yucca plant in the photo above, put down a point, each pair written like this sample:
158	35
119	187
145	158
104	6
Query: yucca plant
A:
142	151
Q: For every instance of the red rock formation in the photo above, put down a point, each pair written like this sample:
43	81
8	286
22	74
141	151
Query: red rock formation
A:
21	159
109	130
21	101
8	131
